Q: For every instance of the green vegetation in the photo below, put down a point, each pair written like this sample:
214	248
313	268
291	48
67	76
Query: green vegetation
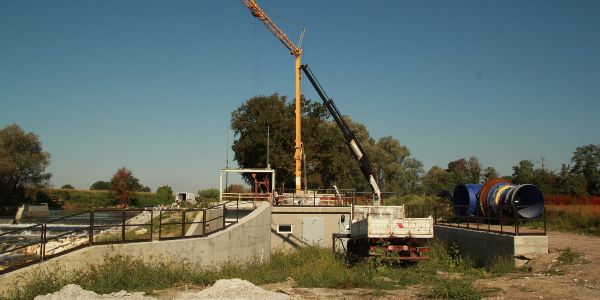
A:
583	219
446	288
502	265
22	164
445	275
100	185
395	169
87	199
331	163
123	186
410	199
568	256
164	194
207	197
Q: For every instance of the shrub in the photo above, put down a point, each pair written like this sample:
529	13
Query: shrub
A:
446	288
568	256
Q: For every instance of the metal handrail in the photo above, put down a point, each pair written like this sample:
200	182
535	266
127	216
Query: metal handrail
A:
481	222
89	228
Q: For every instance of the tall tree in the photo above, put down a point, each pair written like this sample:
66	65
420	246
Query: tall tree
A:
22	163
164	193
436	180
123	186
545	179
396	171
490	173
100	185
249	123
586	162
459	171
328	161
569	183
144	188
474	170
523	172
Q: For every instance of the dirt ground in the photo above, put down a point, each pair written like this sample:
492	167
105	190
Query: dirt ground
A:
547	278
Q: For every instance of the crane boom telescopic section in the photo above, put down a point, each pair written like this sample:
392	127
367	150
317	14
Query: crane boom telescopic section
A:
359	154
258	13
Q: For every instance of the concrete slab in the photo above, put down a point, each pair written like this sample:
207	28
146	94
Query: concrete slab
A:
484	246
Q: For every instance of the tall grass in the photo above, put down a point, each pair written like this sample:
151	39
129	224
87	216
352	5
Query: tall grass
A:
581	218
411	199
308	267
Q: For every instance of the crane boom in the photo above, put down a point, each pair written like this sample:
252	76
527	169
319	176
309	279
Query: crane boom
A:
258	13
297	53
359	154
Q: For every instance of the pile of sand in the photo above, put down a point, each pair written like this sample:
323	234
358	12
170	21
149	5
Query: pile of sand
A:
234	289
230	289
73	291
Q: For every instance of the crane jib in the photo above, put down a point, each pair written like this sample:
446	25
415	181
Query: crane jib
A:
355	148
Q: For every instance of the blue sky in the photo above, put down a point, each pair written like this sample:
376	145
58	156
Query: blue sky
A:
151	85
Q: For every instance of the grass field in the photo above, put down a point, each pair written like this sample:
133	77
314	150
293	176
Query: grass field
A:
582	218
308	267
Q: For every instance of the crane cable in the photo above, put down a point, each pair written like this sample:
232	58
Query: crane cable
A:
255	81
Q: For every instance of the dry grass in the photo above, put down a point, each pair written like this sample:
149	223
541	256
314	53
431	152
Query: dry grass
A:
587	210
581	218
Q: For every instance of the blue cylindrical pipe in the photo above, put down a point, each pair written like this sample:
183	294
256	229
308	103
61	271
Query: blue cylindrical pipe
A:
464	199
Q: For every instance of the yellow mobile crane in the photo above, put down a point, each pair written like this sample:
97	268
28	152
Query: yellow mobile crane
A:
297	53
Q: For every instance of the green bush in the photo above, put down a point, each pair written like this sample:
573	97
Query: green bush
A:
446	288
502	264
446	258
568	256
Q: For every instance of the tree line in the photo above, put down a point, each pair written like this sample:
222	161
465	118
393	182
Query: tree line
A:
328	162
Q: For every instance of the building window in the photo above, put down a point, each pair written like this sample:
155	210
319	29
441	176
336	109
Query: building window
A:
284	228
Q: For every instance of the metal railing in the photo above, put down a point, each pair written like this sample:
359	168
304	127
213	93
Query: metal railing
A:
506	221
36	243
318	197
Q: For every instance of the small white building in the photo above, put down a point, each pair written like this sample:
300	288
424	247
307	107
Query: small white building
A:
185	197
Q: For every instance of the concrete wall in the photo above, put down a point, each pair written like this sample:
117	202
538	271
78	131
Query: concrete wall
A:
246	240
297	216
484	247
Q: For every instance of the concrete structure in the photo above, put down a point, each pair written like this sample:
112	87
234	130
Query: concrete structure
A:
296	226
214	222
249	239
485	246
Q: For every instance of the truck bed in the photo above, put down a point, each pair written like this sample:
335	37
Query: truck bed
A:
392	228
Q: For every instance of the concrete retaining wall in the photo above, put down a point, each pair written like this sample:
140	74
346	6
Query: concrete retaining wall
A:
246	240
485	246
326	221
